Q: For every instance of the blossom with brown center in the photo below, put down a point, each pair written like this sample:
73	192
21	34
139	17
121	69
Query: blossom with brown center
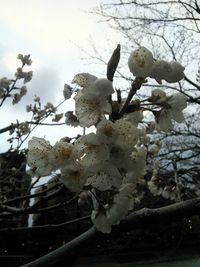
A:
140	62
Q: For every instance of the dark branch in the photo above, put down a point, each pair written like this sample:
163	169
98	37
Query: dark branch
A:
59	254
138	219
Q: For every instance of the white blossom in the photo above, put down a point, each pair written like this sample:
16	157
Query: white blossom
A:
158	96
107	166
160	70
5	83
73	177
90	150
100	181
176	103
71	119
19	74
136	163
24	128
152	187
108	215
28	76
101	221
176	74
38	156
23	90
128	134
104	176
164	120
90	111
106	131
140	62
154	149
99	88
25	59
91	103
84	79
157	188
50	107
62	153
134	117
16	98
150	127
121	204
171	72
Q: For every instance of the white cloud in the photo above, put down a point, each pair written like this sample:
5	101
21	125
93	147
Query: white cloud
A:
48	30
49	24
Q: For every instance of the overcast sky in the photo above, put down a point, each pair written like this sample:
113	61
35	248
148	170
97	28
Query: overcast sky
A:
51	31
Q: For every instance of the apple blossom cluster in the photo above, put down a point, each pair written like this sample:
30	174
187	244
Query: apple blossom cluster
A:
111	160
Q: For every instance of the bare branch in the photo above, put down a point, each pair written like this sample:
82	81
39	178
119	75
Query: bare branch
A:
47	227
191	82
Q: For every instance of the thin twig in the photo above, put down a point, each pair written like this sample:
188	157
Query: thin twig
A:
136	84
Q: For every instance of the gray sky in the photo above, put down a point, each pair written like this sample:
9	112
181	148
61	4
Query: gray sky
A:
49	30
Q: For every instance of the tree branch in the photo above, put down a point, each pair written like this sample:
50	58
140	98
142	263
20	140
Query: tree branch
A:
46	227
138	219
136	84
191	82
165	214
59	254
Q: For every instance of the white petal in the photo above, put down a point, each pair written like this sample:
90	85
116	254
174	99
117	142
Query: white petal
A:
73	177
83	79
90	150
128	134
38	156
165	123
87	111
176	73
106	131
101	222
141	62
160	70
101	87
158	96
177	101
62	153
178	116
121	204
105	177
